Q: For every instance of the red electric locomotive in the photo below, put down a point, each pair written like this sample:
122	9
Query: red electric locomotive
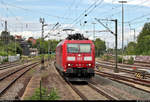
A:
76	59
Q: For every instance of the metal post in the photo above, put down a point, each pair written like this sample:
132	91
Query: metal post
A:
116	54
122	28
40	91
93	31
116	43
7	38
6	26
122	32
42	38
134	35
15	45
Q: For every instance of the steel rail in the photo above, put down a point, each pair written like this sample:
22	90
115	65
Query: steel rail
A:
101	91
122	69
7	75
127	65
13	81
139	81
124	78
7	65
82	96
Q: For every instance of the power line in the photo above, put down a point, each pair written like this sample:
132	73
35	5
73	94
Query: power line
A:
11	12
88	12
136	18
70	7
84	11
135	7
37	11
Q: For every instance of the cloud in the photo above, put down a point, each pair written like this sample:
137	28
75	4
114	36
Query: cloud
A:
27	34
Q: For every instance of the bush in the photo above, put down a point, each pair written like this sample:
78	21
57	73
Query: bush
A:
120	59
53	95
2	53
5	60
106	57
131	61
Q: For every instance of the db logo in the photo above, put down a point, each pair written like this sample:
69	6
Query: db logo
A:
79	58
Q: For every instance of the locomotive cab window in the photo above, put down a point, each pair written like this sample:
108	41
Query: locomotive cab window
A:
85	48
78	48
72	48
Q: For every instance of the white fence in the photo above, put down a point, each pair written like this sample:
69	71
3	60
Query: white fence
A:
10	58
138	58
129	56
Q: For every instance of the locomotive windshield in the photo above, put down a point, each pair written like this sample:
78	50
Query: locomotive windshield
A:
78	48
72	48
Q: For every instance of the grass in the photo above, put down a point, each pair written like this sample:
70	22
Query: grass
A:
131	61
45	95
106	57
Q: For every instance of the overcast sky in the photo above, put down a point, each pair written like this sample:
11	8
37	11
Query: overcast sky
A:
23	17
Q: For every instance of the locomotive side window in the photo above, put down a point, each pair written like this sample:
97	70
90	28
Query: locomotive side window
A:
85	48
72	48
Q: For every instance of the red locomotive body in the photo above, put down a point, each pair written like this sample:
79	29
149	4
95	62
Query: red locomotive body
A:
76	59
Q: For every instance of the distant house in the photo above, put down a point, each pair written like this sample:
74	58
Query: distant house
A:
32	40
18	38
25	48
24	45
33	51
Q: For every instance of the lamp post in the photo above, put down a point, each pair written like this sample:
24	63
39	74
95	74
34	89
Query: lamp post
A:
94	30
122	27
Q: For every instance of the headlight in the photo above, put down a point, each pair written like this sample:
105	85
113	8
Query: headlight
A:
88	58
89	64
70	58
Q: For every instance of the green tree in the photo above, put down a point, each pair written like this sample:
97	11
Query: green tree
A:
130	49
44	46
10	48
143	41
100	47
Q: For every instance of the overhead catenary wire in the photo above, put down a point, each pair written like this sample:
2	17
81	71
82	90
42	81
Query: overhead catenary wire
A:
134	7
69	8
29	10
8	10
84	12
88	12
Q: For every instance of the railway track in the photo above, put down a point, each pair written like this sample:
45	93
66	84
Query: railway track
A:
9	65
84	90
121	68
5	66
137	65
9	79
101	91
133	82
